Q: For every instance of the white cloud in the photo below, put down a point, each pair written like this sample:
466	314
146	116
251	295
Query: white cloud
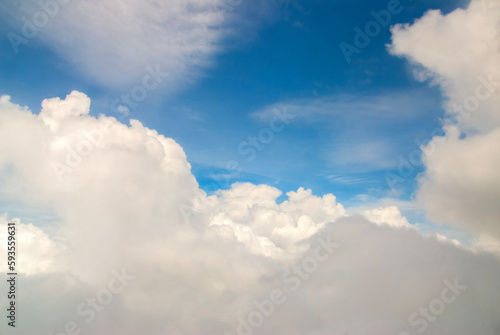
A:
386	215
120	207
362	126
40	253
114	42
388	106
252	211
487	243
461	185
458	57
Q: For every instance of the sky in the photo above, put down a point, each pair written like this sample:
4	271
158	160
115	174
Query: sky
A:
288	54
208	148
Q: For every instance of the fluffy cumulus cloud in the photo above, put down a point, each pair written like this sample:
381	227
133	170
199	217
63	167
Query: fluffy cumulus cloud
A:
251	214
386	215
461	53
140	248
118	43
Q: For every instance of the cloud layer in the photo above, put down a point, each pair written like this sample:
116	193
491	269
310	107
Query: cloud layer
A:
461	185
128	203
113	42
139	248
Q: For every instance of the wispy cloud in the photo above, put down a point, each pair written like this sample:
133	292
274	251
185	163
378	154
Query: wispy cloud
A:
112	42
367	107
343	179
362	127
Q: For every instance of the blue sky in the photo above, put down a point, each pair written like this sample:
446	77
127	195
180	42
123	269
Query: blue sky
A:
353	122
